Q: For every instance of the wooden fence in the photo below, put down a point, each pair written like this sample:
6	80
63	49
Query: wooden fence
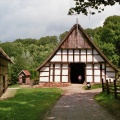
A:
111	87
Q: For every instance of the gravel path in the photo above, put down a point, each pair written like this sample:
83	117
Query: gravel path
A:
78	104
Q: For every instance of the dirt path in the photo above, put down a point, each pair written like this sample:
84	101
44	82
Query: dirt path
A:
78	104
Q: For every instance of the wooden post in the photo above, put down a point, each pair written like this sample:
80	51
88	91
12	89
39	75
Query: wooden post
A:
115	89
107	85
103	89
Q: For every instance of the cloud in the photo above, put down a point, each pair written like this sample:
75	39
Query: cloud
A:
38	18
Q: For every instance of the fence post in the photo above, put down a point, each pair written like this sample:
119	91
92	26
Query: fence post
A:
115	89
103	89
107	85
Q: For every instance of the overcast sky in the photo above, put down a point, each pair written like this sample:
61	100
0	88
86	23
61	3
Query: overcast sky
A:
39	18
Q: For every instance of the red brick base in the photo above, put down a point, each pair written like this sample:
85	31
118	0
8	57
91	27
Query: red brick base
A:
53	84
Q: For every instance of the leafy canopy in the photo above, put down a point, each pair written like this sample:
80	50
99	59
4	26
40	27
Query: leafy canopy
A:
90	6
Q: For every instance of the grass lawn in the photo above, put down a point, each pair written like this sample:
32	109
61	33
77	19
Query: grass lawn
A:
29	104
95	86
109	102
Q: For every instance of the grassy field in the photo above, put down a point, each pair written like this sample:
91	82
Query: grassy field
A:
29	104
95	86
109	102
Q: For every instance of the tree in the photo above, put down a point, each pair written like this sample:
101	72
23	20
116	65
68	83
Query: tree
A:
90	6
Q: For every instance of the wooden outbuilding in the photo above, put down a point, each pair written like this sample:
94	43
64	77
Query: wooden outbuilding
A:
4	60
77	55
24	77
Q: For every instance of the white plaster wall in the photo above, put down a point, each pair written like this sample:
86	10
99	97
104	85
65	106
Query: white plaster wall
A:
96	72
70	58
76	58
83	52
44	79
45	69
98	58
76	52
89	58
109	69
96	78
89	66
51	78
65	72
83	58
89	72
44	73
56	58
64	59
64	78
89	78
57	72
57	78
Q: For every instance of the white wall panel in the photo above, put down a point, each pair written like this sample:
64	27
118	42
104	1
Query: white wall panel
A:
89	66
64	78
89	58
109	69
65	66
110	74
44	73
89	78
96	78
44	69
103	66
65	72
51	78
70	58
95	52
64	59
83	58
89	52
76	52
56	58
44	79
51	71
97	66
57	65
64	52
98	58
76	58
70	52
83	52
103	72
57	78
59	52
89	72
96	72
57	72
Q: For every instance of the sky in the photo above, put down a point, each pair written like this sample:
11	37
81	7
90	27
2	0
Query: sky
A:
39	18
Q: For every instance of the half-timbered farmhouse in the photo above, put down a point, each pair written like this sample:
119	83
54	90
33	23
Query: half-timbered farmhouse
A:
4	60
77	55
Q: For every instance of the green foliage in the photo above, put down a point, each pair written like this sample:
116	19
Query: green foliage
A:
90	6
29	104
109	103
62	36
108	38
28	54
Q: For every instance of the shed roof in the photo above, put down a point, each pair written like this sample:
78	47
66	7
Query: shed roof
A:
80	29
5	56
26	72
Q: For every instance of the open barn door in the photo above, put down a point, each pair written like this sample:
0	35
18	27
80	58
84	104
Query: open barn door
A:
77	69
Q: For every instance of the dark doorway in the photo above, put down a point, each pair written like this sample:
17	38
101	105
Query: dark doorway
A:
23	79
77	69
